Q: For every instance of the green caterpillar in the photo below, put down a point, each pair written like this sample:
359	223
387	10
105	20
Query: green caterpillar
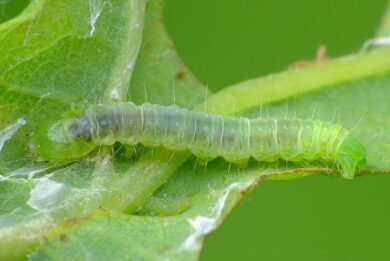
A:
207	136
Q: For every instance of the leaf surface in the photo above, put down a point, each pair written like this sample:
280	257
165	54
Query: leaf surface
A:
88	54
56	56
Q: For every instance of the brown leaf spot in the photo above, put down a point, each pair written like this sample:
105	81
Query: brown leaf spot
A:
181	75
63	237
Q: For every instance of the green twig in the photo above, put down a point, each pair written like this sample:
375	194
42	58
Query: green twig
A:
254	93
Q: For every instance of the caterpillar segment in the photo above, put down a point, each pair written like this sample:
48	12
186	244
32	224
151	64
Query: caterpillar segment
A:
207	136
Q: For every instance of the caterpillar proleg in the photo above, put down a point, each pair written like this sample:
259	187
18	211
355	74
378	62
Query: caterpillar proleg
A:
207	136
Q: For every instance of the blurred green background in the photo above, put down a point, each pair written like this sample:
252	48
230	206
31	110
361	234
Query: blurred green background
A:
314	218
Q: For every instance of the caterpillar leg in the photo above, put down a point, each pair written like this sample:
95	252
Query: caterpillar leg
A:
130	150
347	165
351	154
202	162
242	164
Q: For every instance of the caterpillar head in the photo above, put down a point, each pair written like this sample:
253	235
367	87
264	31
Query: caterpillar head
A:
64	139
351	154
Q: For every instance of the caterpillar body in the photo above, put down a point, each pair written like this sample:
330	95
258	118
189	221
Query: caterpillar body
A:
207	136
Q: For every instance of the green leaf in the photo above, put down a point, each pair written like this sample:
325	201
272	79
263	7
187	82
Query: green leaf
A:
58	55
96	66
196	200
10	9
